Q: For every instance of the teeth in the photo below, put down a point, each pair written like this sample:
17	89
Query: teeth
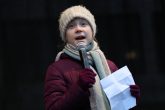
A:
80	37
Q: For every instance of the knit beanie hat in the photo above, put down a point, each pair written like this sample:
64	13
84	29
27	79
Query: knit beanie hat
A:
75	12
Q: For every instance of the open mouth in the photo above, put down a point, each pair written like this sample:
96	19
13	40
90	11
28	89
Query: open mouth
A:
80	38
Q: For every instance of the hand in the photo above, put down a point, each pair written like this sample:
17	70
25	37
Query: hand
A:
86	78
135	91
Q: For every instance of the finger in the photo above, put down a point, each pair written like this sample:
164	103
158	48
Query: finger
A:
134	90
91	81
92	74
90	85
134	87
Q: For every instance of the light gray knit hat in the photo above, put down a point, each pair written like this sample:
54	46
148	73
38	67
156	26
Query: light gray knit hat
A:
74	12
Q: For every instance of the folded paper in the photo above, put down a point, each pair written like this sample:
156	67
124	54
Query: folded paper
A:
117	90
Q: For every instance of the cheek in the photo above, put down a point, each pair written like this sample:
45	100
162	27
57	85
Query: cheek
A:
68	34
90	34
69	37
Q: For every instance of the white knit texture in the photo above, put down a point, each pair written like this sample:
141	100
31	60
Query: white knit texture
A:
74	12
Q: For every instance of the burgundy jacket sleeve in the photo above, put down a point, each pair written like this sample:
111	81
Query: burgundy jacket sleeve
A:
112	66
58	95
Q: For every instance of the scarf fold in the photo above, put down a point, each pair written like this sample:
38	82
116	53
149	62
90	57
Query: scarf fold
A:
98	99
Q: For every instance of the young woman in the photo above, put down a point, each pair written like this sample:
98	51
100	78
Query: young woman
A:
68	85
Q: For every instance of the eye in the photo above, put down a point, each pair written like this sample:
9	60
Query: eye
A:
70	26
83	23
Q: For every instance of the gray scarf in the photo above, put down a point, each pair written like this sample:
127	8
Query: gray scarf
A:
98	99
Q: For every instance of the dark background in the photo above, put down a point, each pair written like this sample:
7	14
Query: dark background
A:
130	32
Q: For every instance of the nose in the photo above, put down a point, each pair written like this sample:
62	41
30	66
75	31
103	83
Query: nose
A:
78	29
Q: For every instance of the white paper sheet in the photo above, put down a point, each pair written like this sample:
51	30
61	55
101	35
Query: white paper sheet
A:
116	87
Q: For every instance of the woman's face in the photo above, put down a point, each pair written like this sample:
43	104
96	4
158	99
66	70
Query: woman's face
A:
78	31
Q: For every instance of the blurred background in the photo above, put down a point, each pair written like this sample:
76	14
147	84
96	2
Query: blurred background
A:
130	32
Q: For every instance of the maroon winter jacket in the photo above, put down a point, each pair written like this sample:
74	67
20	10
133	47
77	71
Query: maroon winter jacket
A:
62	91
